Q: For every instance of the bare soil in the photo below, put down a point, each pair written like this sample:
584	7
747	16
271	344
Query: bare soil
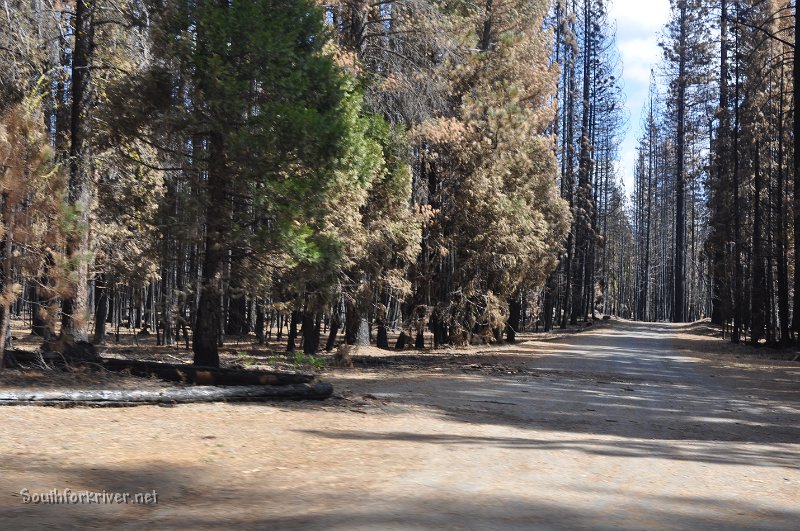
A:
624	426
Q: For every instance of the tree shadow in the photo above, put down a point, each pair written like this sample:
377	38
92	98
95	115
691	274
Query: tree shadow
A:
629	382
187	501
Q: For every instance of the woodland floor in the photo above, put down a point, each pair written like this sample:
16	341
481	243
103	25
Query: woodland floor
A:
624	426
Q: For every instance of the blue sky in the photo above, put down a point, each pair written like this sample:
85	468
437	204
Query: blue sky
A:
639	26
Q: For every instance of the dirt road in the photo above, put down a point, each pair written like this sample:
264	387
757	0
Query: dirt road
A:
629	426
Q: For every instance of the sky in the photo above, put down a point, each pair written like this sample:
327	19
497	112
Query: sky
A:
639	26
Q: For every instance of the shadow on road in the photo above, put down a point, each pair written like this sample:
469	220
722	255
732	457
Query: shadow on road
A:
187	501
633	381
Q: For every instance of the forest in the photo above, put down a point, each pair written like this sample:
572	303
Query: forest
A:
441	172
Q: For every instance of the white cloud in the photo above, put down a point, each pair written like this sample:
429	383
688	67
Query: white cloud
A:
639	17
639	56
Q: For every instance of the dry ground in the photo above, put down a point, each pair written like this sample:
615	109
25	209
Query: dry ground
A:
631	426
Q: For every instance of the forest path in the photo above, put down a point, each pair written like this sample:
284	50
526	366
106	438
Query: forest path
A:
626	426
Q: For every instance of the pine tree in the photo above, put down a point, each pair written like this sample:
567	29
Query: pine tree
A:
264	110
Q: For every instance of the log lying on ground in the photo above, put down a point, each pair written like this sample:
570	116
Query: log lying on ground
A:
179	395
212	384
170	372
204	375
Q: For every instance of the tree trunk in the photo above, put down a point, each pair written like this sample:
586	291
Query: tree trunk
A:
6	270
237	325
206	333
75	307
796	194
336	320
101	309
310	340
783	258
290	344
362	337
39	324
383	336
547	310
758	287
260	322
514	315
720	292
679	282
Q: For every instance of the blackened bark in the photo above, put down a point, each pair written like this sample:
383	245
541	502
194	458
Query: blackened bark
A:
317	331
290	344
783	276
336	323
309	339
101	309
420	341
547	309
718	270
438	328
679	284
75	307
383	336
208	322
39	325
238	324
260	323
486	33
758	289
6	253
796	196
514	317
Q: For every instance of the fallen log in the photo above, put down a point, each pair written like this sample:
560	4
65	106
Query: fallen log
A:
165	371
202	375
179	395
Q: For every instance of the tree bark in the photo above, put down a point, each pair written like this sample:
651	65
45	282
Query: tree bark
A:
75	307
796	194
514	316
309	329
758	287
679	282
101	309
206	333
290	344
260	319
336	319
6	270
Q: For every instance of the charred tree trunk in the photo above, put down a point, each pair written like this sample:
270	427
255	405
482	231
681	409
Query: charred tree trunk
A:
719	274
208	322
6	271
783	258
290	345
758	287
796	167
547	309
310	340
238	324
101	309
383	336
336	323
260	321
514	317
679	276
75	307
